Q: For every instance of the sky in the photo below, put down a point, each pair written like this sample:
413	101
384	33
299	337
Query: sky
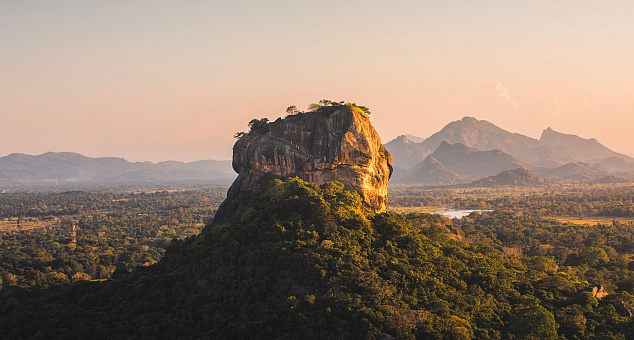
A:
166	80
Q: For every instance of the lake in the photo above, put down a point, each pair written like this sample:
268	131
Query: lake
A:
457	213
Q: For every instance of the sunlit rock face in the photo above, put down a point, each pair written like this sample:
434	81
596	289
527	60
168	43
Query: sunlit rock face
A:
340	145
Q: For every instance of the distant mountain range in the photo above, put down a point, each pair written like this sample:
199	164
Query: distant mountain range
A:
66	168
471	148
456	163
463	152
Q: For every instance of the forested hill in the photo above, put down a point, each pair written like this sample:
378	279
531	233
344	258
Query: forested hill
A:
306	261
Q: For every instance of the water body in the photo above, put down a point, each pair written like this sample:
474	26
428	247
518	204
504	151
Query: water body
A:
457	213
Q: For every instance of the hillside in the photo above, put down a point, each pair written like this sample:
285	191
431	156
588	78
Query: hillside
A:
407	152
302	261
66	168
414	139
429	171
516	178
468	161
584	149
481	135
572	172
298	261
457	163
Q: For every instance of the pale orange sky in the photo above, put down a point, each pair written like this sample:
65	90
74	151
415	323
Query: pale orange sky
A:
158	80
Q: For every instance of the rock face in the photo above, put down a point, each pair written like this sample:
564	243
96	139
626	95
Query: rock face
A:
339	144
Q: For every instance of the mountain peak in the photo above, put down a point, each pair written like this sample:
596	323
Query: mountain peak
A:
402	139
585	149
414	139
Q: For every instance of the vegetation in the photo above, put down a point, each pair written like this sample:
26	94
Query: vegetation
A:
256	127
328	107
599	200
305	261
114	231
325	107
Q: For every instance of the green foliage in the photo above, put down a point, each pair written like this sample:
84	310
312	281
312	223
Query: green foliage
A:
258	126
327	107
114	230
292	110
533	323
614	201
305	261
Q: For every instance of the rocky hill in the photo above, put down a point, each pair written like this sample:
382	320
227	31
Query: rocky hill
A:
334	143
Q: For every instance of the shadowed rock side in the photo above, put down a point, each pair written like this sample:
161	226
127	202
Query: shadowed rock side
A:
315	147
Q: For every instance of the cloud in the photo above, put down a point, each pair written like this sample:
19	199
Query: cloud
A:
501	93
495	98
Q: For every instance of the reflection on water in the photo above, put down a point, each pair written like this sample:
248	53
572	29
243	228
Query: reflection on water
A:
457	213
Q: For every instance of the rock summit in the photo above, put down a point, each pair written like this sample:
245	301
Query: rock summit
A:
333	143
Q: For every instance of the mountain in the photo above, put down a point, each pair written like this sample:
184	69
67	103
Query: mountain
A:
67	168
572	172
414	139
617	164
429	171
583	149
457	163
481	135
407	152
552	150
518	178
464	160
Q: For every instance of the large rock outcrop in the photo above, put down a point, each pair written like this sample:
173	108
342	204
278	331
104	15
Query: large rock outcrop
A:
335	144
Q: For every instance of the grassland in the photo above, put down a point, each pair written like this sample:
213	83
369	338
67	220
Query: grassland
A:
406	210
12	224
592	220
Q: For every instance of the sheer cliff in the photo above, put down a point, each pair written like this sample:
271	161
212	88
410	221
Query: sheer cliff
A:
332	144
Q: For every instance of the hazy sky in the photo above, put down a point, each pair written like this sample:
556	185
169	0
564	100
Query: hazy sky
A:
157	80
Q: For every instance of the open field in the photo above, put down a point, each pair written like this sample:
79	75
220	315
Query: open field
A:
592	220
11	224
407	210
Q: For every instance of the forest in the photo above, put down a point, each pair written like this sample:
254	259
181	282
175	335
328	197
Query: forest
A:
306	261
558	200
115	231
